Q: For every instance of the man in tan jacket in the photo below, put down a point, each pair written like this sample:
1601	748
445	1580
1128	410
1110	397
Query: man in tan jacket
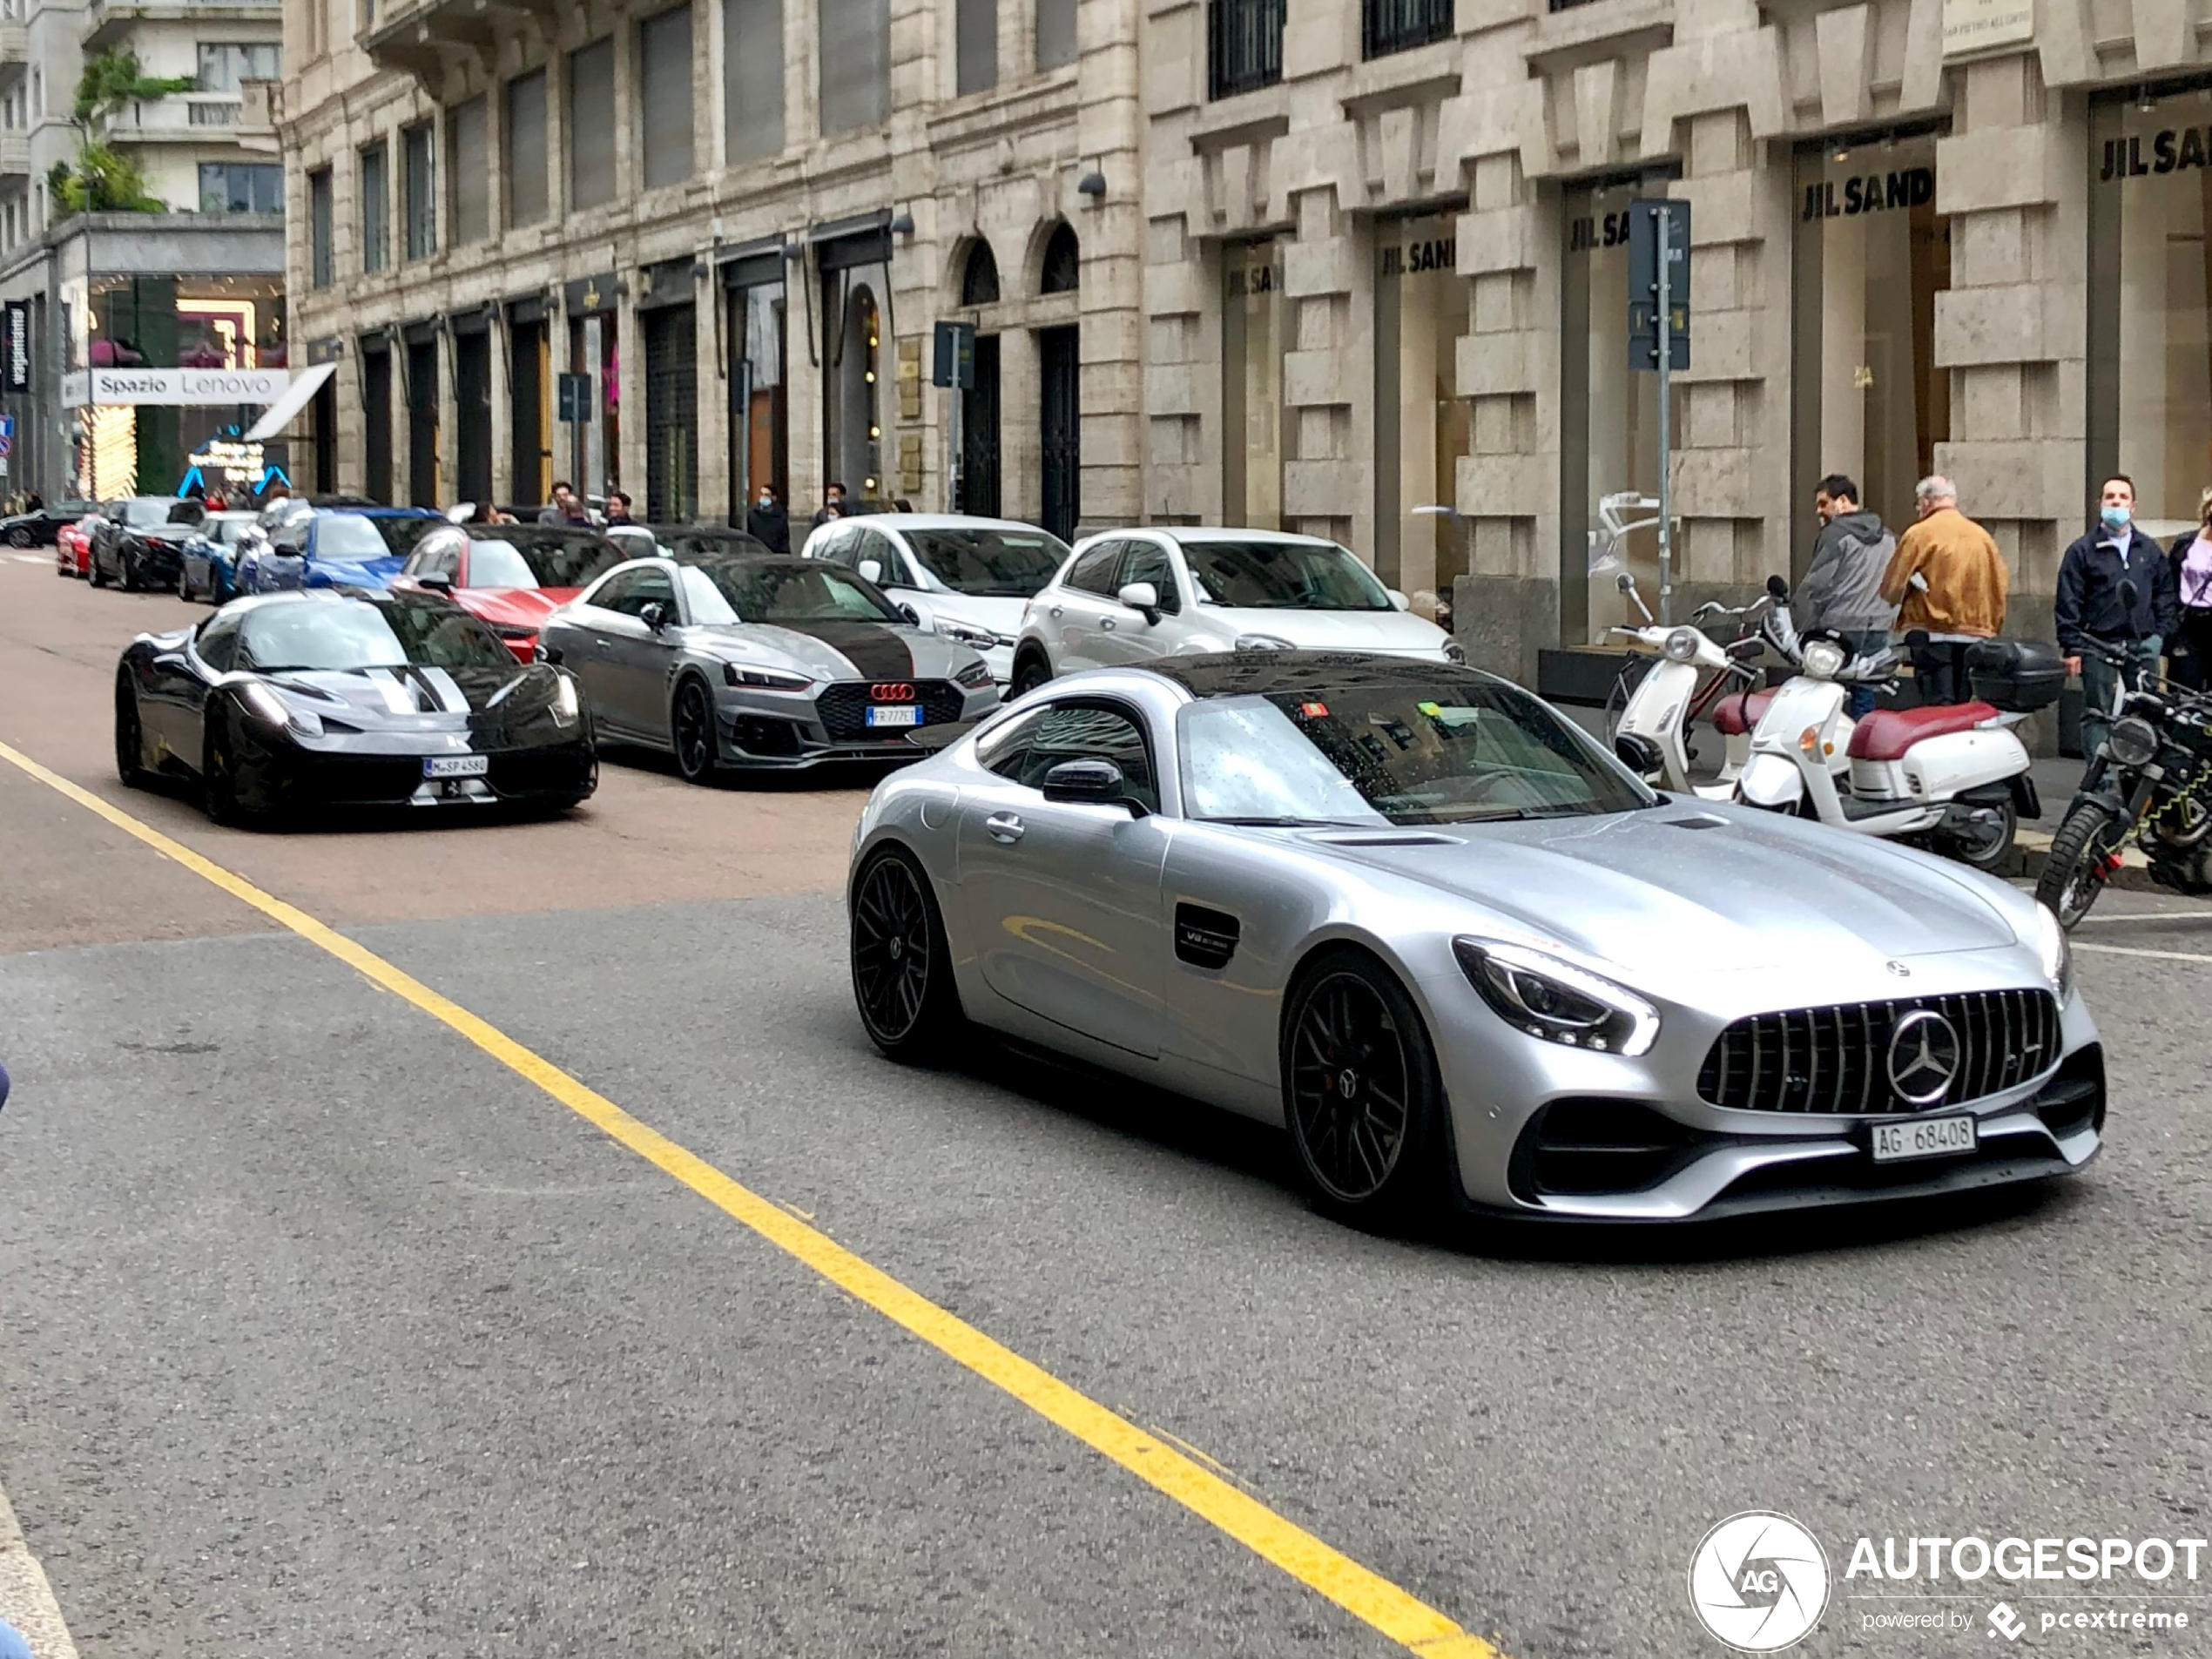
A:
1960	596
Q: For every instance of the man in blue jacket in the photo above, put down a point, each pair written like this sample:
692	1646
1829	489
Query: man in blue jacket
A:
2091	608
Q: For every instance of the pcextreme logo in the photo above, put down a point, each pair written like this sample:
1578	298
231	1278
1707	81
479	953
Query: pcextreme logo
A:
1759	1582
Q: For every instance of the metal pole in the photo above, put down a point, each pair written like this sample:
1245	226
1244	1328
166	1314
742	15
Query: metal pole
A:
1664	227
953	460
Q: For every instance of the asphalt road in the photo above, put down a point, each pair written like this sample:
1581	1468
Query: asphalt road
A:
321	1330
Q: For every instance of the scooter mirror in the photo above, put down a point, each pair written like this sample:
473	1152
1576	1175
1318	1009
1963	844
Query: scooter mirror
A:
1624	583
1777	588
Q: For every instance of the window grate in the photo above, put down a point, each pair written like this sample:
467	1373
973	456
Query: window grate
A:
1389	26
1244	45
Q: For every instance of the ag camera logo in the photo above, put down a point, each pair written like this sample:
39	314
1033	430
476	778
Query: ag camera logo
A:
1759	1582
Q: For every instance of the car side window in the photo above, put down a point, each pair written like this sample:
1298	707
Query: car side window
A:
1003	748
871	544
642	588
1094	571
446	561
1091	732
217	643
837	548
1149	562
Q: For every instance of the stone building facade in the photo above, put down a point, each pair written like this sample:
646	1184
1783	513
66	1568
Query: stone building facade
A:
741	219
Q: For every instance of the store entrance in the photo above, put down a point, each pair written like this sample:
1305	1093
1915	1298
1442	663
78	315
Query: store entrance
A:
979	435
1059	363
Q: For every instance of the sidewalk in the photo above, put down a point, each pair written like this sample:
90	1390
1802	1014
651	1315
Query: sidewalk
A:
26	1600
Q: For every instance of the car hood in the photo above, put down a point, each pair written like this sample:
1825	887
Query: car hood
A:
1678	886
352	573
840	650
377	698
1396	631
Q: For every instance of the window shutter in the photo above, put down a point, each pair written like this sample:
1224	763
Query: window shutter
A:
376	210
752	76
526	149
419	156
591	124
469	154
975	45
319	223
1056	33
665	76
856	63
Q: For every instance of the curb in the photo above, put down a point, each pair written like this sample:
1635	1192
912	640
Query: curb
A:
26	1599
2132	876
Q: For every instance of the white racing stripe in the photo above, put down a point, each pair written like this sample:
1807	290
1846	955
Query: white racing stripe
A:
450	697
398	694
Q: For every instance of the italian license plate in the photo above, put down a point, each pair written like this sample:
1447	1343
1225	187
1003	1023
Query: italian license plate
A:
904	714
1923	1138
455	766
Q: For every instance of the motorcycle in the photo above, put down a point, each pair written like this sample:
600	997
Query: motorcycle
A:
1956	775
1658	701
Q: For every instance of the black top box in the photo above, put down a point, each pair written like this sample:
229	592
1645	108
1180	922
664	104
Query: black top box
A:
2016	676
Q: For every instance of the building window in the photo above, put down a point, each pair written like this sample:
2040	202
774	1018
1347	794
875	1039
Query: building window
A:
665	95
1062	270
975	45
468	151
1421	425
320	227
979	278
419	156
856	63
591	124
526	191
1254	334
376	208
211	114
223	66
1056	33
1244	45
752	76
1388	26
240	187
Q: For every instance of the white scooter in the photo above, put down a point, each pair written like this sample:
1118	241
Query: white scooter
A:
1657	709
1957	774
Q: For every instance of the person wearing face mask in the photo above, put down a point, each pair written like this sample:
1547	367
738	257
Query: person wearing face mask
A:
2090	605
767	523
2190	649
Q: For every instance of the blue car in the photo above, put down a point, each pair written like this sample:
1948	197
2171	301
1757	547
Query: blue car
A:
207	560
353	547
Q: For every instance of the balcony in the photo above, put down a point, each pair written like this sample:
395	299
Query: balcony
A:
186	115
422	35
14	43
15	155
106	22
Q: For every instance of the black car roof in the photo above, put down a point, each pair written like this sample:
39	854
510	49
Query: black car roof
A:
1272	673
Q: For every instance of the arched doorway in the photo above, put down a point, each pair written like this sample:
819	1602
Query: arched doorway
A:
1060	377
978	432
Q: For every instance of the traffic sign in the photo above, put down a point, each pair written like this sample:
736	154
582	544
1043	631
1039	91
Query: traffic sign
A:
575	393
1644	284
955	355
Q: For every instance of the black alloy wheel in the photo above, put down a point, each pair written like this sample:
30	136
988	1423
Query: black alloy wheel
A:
219	776
129	734
184	583
92	571
1362	1093
126	569
21	537
902	969
692	733
2079	862
1030	673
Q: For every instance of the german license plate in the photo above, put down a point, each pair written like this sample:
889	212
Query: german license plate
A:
455	766
902	714
1923	1138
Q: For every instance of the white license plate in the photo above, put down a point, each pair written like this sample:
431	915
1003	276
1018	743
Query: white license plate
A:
455	766
907	714
1923	1138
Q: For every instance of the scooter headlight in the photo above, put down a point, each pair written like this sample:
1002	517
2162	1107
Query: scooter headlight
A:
2132	742
2057	954
1681	646
1824	659
1556	1001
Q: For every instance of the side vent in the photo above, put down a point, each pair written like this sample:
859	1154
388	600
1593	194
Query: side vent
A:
1205	938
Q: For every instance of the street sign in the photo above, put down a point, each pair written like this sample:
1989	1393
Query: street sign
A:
7	425
15	346
956	356
1644	284
575	395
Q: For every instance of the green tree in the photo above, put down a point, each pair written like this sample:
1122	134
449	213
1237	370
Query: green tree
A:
103	179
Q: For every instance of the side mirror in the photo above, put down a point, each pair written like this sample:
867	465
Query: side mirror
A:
920	614
1097	782
1399	601
871	570
1776	588
654	616
1639	754
285	550
437	581
546	653
1141	597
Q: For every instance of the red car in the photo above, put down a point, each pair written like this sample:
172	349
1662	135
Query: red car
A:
73	549
509	575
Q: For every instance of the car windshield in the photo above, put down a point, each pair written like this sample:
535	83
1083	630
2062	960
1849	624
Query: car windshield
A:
225	528
525	556
989	564
145	510
684	542
1462	749
357	633
791	590
1283	575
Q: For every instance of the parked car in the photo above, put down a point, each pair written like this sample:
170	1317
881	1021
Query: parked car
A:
348	697
759	661
312	547
207	560
509	575
975	576
1139	596
137	541
38	528
73	548
667	541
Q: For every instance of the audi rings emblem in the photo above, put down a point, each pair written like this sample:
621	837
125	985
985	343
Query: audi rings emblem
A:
897	691
1924	1058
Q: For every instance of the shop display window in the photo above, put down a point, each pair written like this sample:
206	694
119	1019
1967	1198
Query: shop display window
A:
1421	424
1254	334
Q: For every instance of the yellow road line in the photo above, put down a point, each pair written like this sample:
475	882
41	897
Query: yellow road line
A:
1367	1596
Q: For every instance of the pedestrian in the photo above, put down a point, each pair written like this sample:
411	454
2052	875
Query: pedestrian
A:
833	503
618	509
1959	597
1843	586
2090	611
2190	649
564	508
767	523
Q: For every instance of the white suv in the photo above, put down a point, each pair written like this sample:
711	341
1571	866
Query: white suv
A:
1134	595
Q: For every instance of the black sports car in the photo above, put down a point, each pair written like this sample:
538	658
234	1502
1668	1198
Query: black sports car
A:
348	697
140	542
36	529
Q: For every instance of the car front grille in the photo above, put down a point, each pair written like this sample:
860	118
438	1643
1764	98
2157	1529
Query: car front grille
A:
844	708
1837	1060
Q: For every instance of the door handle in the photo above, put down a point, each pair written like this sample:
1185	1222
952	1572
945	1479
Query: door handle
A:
1107	623
1004	827
601	644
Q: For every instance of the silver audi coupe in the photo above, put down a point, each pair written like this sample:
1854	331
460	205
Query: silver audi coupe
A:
1410	913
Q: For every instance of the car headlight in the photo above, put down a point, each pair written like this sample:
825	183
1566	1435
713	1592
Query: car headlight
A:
269	707
2056	952
773	679
1262	642
975	676
1556	1001
565	702
1455	653
970	635
2132	741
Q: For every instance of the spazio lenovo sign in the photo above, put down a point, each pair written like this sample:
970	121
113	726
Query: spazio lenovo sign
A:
203	387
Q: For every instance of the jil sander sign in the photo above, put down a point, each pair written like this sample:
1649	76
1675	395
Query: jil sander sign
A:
2175	150
1874	193
200	387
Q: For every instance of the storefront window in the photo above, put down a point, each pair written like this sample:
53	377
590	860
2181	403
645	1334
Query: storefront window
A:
759	436
1254	334
1420	423
856	368
593	350
2150	302
1872	255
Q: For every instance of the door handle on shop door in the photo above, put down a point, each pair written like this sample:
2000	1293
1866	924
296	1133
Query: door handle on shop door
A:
1004	827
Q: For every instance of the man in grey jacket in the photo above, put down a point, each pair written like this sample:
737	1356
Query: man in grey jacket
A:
1843	588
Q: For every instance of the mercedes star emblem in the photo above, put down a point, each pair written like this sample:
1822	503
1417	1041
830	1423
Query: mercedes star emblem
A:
1924	1058
1899	969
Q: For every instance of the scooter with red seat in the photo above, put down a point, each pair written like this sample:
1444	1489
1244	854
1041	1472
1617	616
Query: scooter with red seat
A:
1659	705
1954	776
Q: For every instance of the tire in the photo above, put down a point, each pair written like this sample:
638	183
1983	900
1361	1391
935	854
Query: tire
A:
1030	672
92	572
2075	870
1990	852
1362	1095
130	735
910	1012
218	777
126	573
184	583
21	537
690	731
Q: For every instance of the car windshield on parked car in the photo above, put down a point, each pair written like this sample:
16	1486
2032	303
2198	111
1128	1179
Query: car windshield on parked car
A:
1462	749
988	563
225	528
314	635
780	589
1283	575
358	535
142	512
530	555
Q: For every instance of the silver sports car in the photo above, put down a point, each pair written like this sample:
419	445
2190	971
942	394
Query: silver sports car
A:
736	660
1410	913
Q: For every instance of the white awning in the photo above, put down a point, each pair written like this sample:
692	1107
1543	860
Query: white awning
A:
286	408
